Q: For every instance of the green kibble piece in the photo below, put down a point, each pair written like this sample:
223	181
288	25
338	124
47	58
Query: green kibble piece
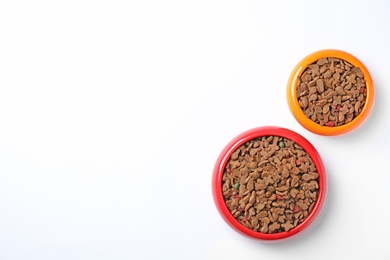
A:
281	144
236	185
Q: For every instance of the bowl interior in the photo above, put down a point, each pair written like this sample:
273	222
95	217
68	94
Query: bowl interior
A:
293	100
225	156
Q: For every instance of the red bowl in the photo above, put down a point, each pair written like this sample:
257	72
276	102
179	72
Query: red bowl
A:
219	171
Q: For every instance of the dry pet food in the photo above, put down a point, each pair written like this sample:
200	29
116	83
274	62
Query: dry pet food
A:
270	184
331	92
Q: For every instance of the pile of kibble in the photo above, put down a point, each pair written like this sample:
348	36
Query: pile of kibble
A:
270	184
331	92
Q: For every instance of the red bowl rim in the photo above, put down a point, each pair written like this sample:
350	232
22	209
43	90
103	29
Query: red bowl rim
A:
237	142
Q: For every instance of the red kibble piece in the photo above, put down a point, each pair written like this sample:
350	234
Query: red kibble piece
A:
296	209
236	196
298	162
245	219
362	89
278	197
338	107
330	123
228	170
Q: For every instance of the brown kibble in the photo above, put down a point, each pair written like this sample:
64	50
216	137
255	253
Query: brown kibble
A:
235	155
340	90
325	109
253	165
306	186
250	185
260	206
248	206
312	90
304	102
323	69
302	90
264	228
251	212
294	192
272	197
294	181
282	218
277	210
263	162
274	226
330	94
322	61
270	181
262	214
341	117
318	110
254	221
282	188
357	106
272	216
327	83
305	78
295	170
285	171
320	86
252	198
311	195
315	69
358	72
314	184
300	195
282	193
236	214
321	103
271	189
260	185
327	74
287	226
235	164
313	97
307	177
301	205
336	76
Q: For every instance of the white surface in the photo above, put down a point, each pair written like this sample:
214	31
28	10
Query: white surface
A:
112	114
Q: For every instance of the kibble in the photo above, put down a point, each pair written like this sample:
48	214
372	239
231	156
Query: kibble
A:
331	92
278	184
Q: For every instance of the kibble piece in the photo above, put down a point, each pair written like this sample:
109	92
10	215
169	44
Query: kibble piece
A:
287	225
274	226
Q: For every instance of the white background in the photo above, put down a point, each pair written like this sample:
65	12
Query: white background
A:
112	114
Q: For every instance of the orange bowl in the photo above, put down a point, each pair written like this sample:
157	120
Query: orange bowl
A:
296	110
